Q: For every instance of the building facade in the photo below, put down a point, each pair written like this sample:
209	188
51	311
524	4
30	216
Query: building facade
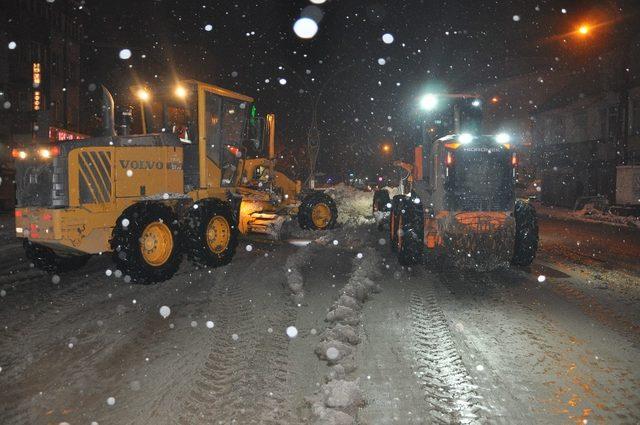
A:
39	76
577	139
39	68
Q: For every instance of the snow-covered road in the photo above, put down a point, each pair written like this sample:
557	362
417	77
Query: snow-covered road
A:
434	346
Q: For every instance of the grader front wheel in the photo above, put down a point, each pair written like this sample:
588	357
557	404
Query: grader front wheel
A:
317	211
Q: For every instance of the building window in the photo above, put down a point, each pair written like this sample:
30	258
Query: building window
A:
608	122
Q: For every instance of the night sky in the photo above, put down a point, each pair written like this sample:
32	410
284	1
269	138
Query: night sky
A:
456	43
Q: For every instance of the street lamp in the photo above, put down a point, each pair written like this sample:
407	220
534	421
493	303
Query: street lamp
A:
429	102
143	95
584	29
181	92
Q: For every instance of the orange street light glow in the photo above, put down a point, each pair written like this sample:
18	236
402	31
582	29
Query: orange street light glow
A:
143	95
584	29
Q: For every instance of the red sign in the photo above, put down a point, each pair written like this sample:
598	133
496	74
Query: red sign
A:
60	135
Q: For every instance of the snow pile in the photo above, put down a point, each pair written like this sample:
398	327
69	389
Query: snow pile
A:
338	399
354	206
588	213
293	270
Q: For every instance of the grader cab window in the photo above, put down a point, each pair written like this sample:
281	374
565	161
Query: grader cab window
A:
234	116
213	105
179	123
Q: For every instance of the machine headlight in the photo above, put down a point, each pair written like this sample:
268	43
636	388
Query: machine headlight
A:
465	138
503	138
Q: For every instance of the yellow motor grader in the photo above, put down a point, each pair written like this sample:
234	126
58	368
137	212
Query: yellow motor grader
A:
461	205
201	172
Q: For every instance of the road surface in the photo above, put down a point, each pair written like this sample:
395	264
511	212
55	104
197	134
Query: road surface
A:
435	346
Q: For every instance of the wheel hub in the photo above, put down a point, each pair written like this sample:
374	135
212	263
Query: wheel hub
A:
321	215
156	243
218	234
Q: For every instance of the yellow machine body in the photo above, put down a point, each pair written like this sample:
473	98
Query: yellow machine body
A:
104	180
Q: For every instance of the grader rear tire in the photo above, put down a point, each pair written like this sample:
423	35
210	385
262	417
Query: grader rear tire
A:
410	238
381	200
146	243
397	206
526	238
318	211
212	233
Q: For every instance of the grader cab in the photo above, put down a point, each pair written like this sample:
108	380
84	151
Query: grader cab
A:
193	179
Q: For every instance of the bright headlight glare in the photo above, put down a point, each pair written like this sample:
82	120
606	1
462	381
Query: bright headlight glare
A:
465	138
503	138
429	102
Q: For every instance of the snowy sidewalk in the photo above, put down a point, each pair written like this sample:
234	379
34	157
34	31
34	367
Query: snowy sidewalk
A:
586	215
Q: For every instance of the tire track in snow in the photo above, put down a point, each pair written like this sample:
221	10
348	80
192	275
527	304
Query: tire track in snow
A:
244	380
448	388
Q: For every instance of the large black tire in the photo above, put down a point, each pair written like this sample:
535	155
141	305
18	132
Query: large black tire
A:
381	201
526	239
397	206
127	246
309	204
410	240
197	228
44	258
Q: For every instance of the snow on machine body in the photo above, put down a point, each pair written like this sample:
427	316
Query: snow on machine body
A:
201	173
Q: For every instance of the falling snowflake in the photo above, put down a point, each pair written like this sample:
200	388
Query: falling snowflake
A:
108	272
125	54
12	45
359	255
305	28
292	332
235	337
208	27
125	222
282	81
387	38
479	368
542	278
335	242
55	279
194	324
382	61
210	324
332	353
249	248
111	401
165	311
